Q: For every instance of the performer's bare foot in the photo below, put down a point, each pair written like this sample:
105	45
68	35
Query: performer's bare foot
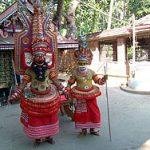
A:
83	132
37	142
50	140
93	132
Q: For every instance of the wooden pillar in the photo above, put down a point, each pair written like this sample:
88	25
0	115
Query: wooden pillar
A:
121	57
121	50
103	51
115	51
127	64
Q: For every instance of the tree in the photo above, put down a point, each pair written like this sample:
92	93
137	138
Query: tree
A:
70	18
77	17
139	8
57	16
4	4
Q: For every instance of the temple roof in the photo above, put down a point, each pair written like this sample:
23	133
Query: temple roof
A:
11	10
66	42
142	27
143	21
63	43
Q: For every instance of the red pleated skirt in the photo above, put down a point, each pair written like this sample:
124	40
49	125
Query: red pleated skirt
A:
87	114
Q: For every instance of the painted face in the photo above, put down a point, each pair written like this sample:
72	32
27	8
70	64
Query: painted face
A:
83	68
39	58
82	60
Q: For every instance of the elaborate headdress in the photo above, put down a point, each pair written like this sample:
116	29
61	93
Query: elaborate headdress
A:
39	35
84	54
40	42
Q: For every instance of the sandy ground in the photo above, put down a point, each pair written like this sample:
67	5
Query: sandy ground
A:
129	121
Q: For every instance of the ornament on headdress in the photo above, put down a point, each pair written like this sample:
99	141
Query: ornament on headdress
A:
84	54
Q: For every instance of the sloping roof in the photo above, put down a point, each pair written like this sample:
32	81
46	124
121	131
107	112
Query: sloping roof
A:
143	21
11	10
142	26
8	12
113	33
63	42
66	43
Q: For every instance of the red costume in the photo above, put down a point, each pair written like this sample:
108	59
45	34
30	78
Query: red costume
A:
87	114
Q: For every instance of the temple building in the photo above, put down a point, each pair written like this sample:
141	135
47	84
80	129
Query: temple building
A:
120	42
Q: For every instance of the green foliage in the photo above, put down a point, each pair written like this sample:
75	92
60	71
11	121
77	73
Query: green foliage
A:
139	8
2	7
4	4
92	15
130	53
89	18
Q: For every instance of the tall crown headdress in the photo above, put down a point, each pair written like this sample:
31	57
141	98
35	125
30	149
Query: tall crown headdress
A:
40	42
84	54
39	35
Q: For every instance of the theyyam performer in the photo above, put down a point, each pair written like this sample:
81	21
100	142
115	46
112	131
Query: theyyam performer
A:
36	61
81	89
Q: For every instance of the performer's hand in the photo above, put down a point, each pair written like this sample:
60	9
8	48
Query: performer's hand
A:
68	89
67	92
103	79
15	96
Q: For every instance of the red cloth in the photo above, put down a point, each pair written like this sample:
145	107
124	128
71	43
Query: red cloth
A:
40	109
62	99
33	121
40	127
40	120
87	114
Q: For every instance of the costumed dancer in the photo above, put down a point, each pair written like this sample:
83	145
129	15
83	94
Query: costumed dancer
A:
87	115
35	59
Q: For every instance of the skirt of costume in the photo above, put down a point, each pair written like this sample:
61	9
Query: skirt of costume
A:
87	114
40	115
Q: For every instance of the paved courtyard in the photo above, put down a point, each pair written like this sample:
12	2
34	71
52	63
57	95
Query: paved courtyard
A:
129	120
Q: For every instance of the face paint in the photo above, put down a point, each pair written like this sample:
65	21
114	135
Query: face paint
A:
39	58
83	68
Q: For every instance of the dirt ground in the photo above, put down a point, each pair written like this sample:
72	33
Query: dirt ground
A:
129	122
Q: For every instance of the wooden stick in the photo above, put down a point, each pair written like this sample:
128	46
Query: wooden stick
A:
107	100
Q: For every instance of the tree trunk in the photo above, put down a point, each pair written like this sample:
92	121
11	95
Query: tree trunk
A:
57	17
70	18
